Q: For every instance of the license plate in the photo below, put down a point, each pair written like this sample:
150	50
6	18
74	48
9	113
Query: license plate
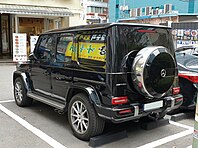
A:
153	105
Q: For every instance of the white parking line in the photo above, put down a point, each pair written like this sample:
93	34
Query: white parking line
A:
6	101
31	128
166	139
171	137
181	125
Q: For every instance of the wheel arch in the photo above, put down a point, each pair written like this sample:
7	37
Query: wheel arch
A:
24	77
89	91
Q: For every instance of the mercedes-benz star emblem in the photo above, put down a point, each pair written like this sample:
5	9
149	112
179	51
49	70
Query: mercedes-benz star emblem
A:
163	73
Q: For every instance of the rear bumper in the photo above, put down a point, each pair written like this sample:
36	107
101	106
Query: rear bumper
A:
137	109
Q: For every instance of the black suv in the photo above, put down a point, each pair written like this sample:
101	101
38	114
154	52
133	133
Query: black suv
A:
99	72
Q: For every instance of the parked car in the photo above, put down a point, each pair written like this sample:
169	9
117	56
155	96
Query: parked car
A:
115	71
187	60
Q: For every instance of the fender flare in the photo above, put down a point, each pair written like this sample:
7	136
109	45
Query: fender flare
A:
89	90
24	77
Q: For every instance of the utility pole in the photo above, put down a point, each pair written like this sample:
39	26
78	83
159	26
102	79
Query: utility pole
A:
195	135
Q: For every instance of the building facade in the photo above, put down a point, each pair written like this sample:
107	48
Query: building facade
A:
35	17
181	15
95	11
149	9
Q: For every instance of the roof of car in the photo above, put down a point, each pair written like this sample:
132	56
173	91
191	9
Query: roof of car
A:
101	26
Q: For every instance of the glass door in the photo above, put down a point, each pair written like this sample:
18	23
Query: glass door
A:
5	34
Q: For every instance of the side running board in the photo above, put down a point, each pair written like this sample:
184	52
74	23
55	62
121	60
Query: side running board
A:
46	101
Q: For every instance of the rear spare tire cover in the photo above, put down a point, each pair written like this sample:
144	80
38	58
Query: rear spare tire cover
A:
153	71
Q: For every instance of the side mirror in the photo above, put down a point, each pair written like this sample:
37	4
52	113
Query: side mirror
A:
32	57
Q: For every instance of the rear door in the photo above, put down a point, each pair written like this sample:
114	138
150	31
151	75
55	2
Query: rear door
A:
62	73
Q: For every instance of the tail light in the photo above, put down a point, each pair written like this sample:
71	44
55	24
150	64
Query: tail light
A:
189	76
147	31
176	90
178	100
125	111
119	100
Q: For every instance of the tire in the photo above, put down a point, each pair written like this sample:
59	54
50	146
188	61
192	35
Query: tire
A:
188	91
20	93
89	123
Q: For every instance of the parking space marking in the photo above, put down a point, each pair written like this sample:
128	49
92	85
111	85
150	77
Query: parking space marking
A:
167	139
32	129
54	143
181	125
6	101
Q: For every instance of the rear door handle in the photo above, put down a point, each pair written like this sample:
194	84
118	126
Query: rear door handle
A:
62	78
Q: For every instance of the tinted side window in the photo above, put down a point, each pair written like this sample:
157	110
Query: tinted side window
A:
64	48
45	49
92	50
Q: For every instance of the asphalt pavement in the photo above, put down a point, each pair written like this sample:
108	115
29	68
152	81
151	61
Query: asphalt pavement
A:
41	126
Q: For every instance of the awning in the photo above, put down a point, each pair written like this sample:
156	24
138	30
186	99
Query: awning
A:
35	10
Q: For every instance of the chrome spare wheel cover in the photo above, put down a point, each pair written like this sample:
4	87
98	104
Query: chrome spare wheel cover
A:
79	117
156	64
18	92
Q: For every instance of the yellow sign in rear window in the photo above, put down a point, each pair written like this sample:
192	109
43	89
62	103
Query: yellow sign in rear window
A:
92	51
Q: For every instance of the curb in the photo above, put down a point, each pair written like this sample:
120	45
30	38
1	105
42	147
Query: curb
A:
180	116
7	63
107	138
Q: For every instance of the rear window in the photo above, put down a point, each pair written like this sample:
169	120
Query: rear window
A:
132	38
136	38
